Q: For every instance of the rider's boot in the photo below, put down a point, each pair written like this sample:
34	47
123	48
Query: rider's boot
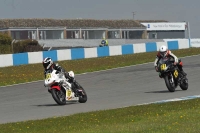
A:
160	75
76	89
184	74
73	87
181	70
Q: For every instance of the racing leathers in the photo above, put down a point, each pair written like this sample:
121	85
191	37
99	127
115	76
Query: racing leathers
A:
62	70
58	68
169	54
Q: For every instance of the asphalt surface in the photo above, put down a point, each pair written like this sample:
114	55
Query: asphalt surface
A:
109	89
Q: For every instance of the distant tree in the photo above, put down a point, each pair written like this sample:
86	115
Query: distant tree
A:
5	39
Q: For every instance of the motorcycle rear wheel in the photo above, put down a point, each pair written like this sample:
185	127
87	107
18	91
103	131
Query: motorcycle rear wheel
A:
170	86
58	96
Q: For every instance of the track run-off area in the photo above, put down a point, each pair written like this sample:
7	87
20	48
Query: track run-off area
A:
108	89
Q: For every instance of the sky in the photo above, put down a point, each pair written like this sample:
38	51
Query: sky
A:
170	10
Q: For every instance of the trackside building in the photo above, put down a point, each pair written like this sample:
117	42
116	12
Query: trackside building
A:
44	29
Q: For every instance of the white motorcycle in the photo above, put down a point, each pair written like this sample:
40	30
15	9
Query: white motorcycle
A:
62	90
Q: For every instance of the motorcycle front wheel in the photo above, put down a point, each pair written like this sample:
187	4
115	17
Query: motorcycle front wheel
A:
58	96
82	93
184	84
169	83
82	96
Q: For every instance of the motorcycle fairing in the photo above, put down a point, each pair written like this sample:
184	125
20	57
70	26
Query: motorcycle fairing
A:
70	96
56	87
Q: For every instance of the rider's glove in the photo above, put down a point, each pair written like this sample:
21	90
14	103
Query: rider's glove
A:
61	82
73	79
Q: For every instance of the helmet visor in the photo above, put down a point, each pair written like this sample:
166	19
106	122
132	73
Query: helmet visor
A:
45	65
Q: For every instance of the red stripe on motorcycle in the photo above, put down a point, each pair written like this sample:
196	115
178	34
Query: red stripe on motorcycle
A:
55	87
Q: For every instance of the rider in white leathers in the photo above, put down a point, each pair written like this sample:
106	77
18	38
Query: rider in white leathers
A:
48	64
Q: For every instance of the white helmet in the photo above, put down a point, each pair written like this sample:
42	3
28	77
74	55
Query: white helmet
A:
163	50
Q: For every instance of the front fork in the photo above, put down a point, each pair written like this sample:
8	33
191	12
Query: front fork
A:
171	80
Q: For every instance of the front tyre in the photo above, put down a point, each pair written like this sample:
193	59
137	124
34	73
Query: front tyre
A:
80	92
82	95
169	83
184	84
58	96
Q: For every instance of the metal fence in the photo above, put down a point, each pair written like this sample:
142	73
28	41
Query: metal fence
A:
91	42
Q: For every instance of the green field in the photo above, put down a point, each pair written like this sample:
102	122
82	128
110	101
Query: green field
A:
175	117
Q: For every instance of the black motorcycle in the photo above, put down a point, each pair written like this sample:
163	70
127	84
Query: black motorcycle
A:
172	75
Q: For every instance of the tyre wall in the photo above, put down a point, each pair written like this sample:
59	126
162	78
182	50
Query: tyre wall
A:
81	53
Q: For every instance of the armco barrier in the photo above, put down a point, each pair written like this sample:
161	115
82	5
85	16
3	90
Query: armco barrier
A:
81	53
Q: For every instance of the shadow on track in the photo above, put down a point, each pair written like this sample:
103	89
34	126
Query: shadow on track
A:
51	105
163	91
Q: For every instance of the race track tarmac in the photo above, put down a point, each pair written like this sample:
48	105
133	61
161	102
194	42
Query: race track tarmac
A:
109	89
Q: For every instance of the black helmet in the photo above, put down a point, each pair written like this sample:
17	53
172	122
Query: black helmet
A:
47	62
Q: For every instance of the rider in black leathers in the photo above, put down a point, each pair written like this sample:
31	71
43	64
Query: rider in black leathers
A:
165	53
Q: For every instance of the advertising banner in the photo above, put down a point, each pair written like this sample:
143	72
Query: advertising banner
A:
165	26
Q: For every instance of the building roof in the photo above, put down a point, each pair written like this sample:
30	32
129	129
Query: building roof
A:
151	21
69	23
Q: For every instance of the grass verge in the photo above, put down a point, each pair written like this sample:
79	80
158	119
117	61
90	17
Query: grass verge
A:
175	117
33	72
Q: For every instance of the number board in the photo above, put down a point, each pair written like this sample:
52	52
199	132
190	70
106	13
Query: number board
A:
175	73
48	75
163	67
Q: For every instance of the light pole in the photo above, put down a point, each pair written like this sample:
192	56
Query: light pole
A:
188	29
133	15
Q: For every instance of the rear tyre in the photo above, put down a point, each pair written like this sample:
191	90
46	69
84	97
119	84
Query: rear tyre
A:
170	85
58	96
